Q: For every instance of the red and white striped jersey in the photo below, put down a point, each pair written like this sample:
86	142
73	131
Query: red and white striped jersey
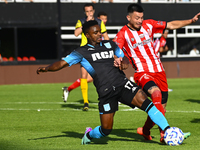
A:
159	42
138	45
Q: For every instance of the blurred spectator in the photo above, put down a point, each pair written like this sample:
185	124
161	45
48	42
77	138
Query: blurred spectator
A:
194	51
111	1
103	16
5	1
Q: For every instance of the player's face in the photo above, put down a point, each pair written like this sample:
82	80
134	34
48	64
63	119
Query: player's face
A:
165	34
94	35
135	20
89	11
103	18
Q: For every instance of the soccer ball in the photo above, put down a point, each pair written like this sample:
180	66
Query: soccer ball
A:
173	136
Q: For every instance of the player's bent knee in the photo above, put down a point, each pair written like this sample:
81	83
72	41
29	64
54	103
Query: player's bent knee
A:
148	86
146	105
156	96
164	97
139	98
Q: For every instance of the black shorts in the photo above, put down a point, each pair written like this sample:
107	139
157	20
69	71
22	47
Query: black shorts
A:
124	94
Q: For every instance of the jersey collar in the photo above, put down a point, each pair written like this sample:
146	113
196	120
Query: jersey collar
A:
94	46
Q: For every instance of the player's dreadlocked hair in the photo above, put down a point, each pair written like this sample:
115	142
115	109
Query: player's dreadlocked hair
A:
135	7
88	24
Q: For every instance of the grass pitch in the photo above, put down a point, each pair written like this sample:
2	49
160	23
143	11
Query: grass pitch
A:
34	117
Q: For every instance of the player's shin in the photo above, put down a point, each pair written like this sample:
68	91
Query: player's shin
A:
156	116
84	89
76	84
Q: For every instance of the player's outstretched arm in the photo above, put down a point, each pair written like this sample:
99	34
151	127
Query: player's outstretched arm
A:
53	67
176	24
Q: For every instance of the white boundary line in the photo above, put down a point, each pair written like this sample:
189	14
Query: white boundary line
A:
136	109
71	103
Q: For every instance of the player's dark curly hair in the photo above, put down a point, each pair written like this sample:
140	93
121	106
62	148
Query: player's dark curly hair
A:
88	24
88	5
134	7
101	13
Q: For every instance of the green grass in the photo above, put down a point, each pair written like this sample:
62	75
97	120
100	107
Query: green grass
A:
60	125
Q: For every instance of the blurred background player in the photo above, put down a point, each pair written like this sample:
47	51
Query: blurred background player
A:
160	44
85	77
103	16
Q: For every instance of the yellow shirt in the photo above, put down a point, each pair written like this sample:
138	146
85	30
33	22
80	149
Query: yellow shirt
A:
83	37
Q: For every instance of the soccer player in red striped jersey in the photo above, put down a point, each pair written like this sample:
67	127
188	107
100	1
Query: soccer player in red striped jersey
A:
136	40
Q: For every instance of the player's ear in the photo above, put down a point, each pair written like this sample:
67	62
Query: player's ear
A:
87	35
128	17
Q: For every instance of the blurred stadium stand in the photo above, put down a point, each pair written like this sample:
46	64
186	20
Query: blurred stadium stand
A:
32	28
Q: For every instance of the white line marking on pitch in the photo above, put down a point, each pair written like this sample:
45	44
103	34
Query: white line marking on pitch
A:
136	109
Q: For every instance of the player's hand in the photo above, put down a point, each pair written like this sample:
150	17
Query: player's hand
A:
90	17
195	18
41	69
117	62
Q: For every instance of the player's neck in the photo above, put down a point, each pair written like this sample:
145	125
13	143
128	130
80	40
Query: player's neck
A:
93	43
132	27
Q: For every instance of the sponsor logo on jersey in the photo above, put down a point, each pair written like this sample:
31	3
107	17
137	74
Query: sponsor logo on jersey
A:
141	35
102	55
142	43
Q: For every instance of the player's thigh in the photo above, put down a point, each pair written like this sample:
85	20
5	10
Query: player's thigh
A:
142	79
84	73
161	81
89	78
108	103
128	92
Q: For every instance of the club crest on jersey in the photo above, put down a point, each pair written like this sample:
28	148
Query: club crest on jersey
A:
160	22
102	55
132	39
107	45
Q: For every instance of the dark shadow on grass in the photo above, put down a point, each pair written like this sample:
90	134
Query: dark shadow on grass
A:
76	106
122	135
195	120
193	100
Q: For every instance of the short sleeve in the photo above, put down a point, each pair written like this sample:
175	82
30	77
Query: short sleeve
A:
73	58
103	27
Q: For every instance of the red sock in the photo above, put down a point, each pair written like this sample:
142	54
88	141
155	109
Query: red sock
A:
156	97
76	84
